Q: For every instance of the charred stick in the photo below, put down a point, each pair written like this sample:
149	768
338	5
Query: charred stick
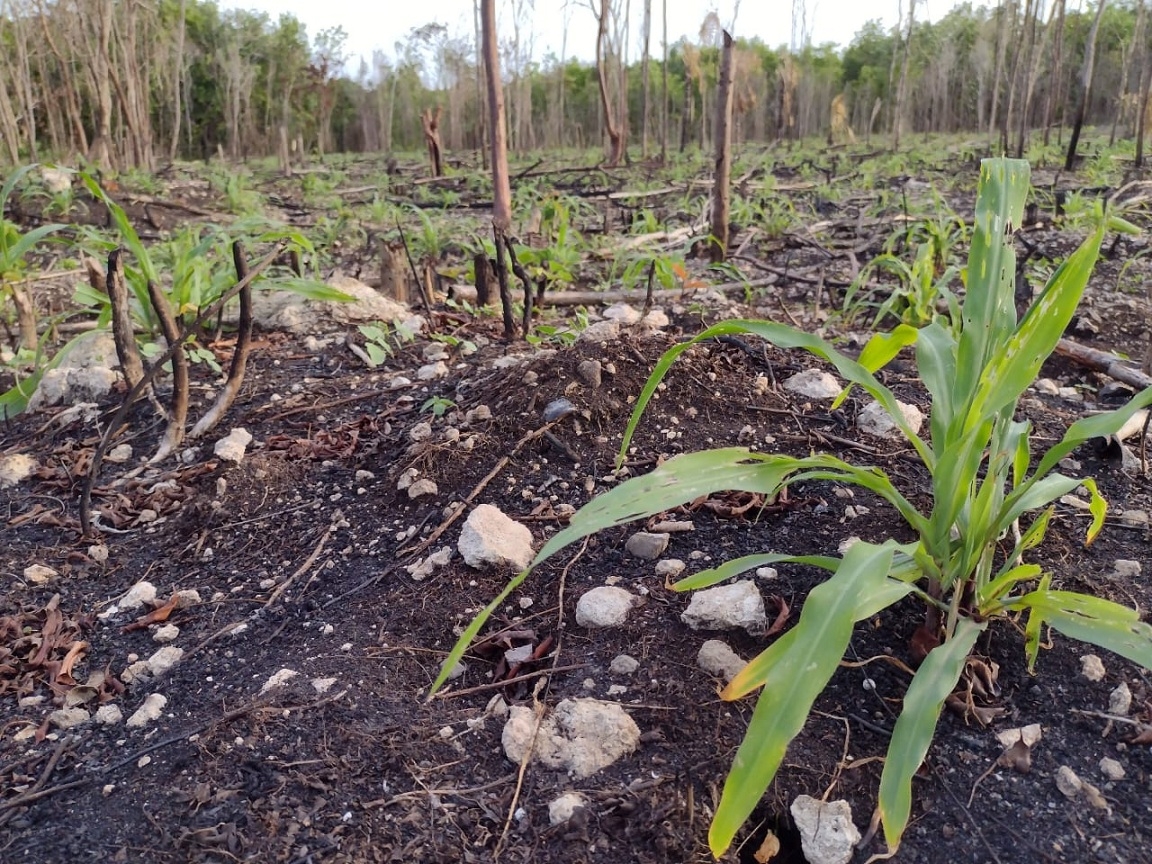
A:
231	388
134	393
178	415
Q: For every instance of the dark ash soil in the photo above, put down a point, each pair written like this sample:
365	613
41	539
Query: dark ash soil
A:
298	556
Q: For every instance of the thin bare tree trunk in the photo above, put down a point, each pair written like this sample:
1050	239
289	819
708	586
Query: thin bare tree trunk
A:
611	122
644	113
1142	111
1056	73
664	90
1085	87
178	84
902	88
1003	34
501	184
1129	55
723	142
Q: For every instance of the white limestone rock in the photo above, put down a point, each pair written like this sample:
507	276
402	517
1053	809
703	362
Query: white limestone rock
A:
491	538
582	736
604	606
815	384
727	607
827	833
875	420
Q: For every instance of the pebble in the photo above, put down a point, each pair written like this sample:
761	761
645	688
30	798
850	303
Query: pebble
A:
590	372
1068	782
646	545
604	606
1120	700
66	718
38	574
623	664
814	383
232	446
717	658
423	488
1134	518
149	711
1111	769
726	607
1124	568
670	568
563	808
109	715
164	659
1092	667
279	679
166	633
432	371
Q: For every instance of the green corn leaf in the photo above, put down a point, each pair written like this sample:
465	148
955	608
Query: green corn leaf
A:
1032	625
1015	365
729	569
936	363
1087	428
879	351
1039	494
125	228
783	337
916	726
989	314
1098	507
804	660
679	480
1003	583
1089	619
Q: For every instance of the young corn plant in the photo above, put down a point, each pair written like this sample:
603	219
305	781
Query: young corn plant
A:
983	479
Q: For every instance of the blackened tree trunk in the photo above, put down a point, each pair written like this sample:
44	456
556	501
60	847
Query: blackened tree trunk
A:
722	136
1085	87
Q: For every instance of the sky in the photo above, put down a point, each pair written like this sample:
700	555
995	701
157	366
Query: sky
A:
380	25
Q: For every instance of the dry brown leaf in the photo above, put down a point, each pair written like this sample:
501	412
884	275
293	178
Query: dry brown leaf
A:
156	616
768	850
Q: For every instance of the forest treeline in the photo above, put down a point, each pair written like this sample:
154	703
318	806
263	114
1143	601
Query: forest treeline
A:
124	83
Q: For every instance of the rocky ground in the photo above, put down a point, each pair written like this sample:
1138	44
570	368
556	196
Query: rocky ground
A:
237	665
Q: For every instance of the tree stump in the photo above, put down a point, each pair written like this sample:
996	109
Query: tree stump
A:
394	276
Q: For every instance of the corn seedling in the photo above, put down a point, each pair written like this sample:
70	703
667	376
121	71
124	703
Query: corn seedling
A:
983	479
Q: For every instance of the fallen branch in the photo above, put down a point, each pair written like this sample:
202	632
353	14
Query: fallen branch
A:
1103	361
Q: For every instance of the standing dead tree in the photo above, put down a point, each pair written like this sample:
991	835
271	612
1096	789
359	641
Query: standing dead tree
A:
501	184
613	113
1085	87
430	120
722	137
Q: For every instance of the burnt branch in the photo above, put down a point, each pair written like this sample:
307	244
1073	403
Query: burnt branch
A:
122	320
178	415
231	388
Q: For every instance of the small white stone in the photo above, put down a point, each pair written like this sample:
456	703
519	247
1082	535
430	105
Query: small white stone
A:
119	454
1068	782
38	574
1124	568
717	658
670	568
164	659
16	468
232	447
109	715
166	633
725	607
646	545
420	432
423	487
1120	700
1092	667
604	606
149	711
827	833
767	573
814	383
432	371
875	420
98	553
561	809
623	664
1112	769
66	718
278	679
490	537
1047	386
